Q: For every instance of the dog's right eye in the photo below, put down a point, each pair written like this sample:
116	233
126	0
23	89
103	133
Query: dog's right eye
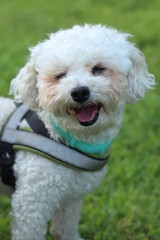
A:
60	75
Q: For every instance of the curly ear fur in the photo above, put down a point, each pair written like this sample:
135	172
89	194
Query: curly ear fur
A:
23	87
139	79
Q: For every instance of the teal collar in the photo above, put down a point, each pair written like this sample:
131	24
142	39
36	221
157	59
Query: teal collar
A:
84	147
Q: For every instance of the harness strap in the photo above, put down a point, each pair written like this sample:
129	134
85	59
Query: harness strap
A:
34	142
7	153
36	124
61	153
16	117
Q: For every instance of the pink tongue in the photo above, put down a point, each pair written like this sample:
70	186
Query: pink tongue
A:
86	114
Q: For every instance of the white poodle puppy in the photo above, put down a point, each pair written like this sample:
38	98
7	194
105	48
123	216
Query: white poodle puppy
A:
78	81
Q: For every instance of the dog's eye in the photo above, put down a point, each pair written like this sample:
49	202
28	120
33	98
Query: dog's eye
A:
60	75
98	70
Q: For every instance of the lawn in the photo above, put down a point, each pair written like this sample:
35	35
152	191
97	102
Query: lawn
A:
127	204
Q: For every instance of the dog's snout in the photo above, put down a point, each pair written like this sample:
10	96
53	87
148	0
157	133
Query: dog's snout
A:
80	94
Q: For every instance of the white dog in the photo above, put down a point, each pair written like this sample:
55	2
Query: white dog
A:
78	81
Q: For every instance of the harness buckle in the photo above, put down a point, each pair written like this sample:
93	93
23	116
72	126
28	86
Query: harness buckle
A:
6	163
6	154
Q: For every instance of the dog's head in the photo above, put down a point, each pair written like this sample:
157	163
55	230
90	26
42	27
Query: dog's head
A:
83	75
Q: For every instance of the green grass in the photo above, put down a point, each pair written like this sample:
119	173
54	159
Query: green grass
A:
127	204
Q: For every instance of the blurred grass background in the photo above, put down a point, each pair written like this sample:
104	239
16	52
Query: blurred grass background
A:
127	204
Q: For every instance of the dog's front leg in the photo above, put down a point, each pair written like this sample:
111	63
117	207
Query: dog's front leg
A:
65	221
32	208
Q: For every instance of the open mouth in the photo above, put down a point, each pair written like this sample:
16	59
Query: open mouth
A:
87	116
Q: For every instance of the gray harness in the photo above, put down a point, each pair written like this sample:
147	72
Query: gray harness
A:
38	141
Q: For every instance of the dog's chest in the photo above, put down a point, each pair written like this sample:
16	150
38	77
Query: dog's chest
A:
36	172
32	170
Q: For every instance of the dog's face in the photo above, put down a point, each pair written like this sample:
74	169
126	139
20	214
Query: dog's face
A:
76	80
82	75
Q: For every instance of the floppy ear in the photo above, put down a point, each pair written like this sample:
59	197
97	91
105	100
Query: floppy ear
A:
24	87
139	79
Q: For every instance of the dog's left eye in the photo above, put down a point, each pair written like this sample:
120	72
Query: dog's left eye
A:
60	75
98	70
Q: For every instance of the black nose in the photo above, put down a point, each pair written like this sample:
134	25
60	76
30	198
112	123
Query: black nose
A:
80	94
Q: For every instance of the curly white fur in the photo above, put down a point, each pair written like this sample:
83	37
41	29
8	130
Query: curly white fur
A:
61	63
